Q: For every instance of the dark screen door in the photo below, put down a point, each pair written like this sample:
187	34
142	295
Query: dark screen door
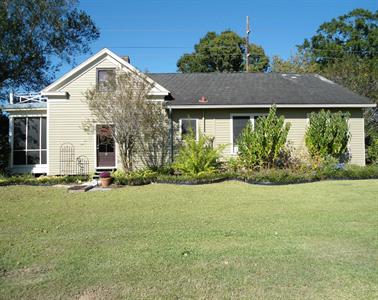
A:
105	146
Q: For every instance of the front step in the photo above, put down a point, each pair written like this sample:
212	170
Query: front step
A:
102	169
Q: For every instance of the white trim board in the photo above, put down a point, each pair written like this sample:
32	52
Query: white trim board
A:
199	106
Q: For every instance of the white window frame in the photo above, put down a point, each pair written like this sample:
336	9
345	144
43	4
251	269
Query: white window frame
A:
234	148
189	119
34	168
98	70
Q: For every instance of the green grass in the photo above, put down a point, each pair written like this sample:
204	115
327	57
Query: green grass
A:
222	241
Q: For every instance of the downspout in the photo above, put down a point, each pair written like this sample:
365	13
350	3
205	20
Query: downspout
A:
170	134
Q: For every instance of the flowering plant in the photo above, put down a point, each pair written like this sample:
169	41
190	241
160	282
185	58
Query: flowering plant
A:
104	174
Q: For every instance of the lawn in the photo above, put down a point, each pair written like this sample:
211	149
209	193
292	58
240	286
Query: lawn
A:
222	241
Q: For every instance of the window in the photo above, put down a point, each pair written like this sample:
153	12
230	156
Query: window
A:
29	141
239	122
103	76
188	126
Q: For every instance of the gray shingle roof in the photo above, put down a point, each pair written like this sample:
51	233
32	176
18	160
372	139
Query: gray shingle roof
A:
255	89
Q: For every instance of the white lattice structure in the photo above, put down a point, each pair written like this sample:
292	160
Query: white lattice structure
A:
27	98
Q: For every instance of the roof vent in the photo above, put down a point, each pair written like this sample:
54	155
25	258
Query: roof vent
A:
126	58
203	100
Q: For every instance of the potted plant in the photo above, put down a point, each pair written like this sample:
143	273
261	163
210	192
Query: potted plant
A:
105	178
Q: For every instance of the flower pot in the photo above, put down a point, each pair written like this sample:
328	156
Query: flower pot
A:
105	182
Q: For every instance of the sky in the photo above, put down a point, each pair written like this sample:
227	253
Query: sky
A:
155	33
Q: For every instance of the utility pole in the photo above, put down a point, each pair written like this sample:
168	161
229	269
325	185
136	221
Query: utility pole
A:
247	46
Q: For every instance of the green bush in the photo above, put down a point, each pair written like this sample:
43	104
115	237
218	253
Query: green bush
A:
42	180
196	157
140	177
372	151
328	135
263	146
202	178
278	176
348	172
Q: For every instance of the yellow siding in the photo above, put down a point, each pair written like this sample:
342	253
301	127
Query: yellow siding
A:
217	123
65	118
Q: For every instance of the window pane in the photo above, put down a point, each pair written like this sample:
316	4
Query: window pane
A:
33	133
43	133
32	157
19	157
43	157
239	123
19	133
103	76
188	126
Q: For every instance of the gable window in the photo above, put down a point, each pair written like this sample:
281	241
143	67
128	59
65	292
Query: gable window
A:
103	76
238	123
29	141
188	126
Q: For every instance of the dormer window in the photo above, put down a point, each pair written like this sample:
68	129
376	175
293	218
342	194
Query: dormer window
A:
103	76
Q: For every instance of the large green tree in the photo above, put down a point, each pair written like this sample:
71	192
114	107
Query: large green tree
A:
222	52
355	33
36	37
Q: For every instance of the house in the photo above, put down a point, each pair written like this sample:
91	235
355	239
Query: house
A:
47	135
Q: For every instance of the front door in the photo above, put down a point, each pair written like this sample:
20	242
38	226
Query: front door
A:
105	146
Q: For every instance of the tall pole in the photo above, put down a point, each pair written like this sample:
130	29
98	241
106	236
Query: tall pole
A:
247	46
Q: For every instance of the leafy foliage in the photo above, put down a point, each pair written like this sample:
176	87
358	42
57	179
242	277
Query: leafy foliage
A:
197	157
4	144
373	151
262	145
298	63
354	33
139	177
328	135
222	53
34	34
41	180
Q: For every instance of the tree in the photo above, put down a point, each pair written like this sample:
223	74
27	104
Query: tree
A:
121	103
328	135
34	34
355	33
298	63
222	52
4	143
153	143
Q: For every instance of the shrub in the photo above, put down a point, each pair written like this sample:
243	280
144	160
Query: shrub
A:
139	177
202	178
263	145
196	157
278	176
372	151
41	180
328	135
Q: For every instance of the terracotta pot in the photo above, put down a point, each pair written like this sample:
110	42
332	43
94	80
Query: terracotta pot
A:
105	182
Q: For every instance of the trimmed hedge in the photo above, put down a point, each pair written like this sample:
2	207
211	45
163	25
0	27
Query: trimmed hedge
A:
42	180
134	178
194	179
265	176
